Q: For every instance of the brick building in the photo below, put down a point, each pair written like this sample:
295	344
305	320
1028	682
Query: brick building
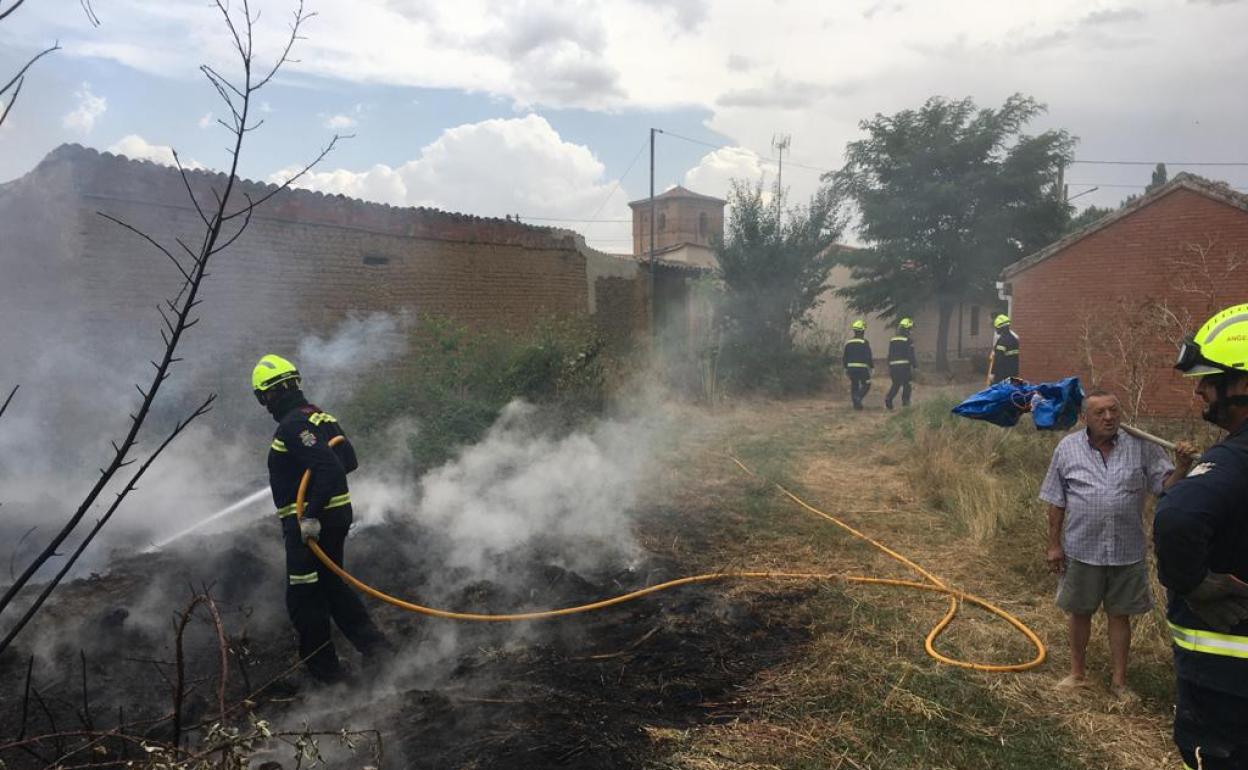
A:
1109	302
306	261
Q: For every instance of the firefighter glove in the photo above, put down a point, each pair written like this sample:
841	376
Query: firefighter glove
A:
309	529
1220	600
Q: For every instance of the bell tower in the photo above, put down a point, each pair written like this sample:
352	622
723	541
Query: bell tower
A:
683	217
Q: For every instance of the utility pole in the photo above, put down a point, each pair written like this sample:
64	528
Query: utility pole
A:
780	143
654	304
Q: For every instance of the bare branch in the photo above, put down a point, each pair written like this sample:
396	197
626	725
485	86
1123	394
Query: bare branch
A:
131	485
284	185
91	17
17	92
8	400
150	240
189	193
178	324
33	59
16	4
300	19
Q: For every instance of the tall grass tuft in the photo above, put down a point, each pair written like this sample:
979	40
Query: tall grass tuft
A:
984	477
455	380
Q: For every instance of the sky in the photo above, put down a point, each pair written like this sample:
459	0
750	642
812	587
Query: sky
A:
542	108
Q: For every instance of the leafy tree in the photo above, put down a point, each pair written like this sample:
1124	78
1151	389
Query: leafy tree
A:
947	195
1086	217
1160	177
774	265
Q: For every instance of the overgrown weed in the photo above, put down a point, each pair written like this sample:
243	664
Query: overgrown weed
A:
983	477
455	381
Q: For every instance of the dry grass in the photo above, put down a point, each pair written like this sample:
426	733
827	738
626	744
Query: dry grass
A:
958	497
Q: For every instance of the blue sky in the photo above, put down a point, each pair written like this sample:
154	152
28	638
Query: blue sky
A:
538	107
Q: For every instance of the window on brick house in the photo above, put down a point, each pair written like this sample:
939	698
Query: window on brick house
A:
662	222
704	224
974	320
375	260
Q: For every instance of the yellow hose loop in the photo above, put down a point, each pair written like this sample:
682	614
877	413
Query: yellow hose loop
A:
934	585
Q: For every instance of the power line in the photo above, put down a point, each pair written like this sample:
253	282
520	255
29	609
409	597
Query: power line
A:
761	158
1163	162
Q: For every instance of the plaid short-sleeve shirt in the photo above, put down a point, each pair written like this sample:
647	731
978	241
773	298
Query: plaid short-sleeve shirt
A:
1104	496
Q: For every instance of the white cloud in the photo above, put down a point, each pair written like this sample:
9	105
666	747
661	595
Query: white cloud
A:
340	122
715	172
136	147
206	120
493	168
88	109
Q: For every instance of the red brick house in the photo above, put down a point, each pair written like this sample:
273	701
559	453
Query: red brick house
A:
1110	302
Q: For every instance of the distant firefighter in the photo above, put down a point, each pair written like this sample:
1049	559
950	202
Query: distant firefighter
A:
314	594
858	363
901	363
1004	351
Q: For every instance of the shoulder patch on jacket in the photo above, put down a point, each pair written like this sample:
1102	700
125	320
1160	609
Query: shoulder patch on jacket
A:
308	438
1201	469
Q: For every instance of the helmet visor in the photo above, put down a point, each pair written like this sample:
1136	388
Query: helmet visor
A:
1192	363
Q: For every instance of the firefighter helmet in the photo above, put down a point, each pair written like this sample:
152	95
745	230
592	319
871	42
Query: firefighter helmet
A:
859	325
905	323
271	371
1221	345
1000	320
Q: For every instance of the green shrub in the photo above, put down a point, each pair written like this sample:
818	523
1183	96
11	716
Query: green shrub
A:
454	381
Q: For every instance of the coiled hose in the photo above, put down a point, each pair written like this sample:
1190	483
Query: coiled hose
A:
933	584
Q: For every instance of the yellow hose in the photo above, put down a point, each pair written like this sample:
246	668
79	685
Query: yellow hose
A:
934	584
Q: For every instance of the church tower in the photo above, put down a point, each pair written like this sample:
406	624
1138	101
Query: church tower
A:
684	218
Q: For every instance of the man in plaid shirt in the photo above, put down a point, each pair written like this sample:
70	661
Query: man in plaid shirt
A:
1096	487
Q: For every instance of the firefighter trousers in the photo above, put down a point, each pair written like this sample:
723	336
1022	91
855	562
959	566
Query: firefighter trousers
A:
901	376
1210	728
314	595
859	384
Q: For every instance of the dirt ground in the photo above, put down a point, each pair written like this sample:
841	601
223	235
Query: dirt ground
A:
726	675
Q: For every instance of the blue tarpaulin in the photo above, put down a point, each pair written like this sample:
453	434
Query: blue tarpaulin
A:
1053	405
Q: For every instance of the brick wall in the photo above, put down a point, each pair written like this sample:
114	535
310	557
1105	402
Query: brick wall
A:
1138	257
304	263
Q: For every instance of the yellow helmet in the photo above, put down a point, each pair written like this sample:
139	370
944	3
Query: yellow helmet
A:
1221	345
1001	320
905	323
859	325
271	371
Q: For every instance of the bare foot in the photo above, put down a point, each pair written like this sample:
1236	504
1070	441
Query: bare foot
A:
1072	682
1123	694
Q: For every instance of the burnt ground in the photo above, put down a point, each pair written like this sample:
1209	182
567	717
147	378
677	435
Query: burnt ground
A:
589	691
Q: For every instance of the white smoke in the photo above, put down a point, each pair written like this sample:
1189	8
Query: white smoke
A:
334	366
521	486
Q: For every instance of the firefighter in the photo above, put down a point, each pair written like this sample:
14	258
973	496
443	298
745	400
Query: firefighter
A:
314	594
901	363
858	363
1200	533
1004	351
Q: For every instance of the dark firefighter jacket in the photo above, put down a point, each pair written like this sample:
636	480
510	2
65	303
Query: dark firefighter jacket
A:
901	353
1005	355
857	357
1201	526
300	443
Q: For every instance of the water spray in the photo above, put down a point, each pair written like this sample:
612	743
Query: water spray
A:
246	502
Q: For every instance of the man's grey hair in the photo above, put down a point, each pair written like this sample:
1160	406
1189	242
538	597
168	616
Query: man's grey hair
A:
1097	393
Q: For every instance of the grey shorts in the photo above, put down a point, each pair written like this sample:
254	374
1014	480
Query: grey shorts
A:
1124	590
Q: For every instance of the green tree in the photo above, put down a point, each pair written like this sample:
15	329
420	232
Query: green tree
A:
1086	217
947	195
774	264
1160	177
